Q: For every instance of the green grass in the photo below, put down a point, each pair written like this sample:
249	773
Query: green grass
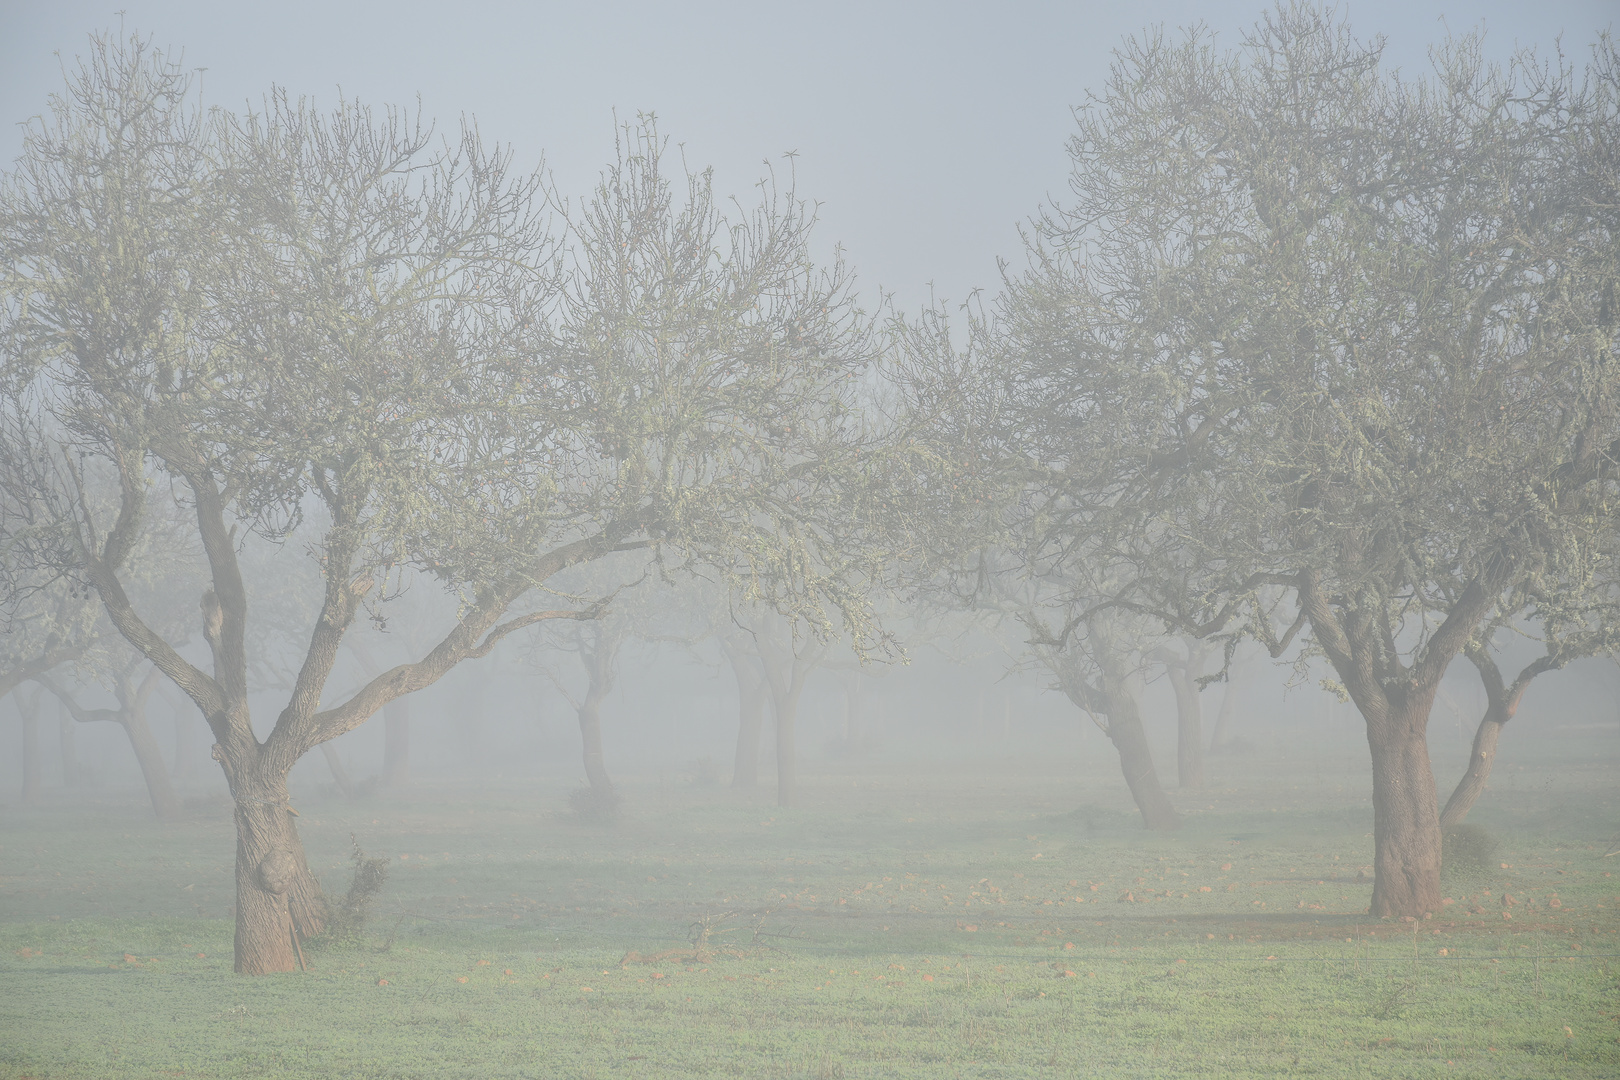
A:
962	926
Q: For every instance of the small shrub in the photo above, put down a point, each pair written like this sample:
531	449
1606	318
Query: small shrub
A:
348	917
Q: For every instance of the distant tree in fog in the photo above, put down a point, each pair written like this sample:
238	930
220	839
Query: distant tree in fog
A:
48	618
1308	326
1185	662
334	328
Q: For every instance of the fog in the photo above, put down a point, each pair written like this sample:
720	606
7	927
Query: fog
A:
672	720
926	135
565	540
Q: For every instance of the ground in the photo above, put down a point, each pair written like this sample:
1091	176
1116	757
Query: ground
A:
970	922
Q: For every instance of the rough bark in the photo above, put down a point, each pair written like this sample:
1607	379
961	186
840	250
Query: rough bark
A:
1395	700
396	742
276	894
1406	819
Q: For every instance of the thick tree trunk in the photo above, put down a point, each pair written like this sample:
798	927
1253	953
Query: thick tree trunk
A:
67	737
1189	730
396	742
1125	731
276	894
590	732
751	696
150	758
28	712
1406	818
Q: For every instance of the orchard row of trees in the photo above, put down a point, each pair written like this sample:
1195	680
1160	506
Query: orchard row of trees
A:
1313	356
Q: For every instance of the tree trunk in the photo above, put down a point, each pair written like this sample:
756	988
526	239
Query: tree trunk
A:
28	712
1189	729
1236	681
276	894
1406	819
396	742
66	736
1125	731
590	732
131	717
1480	760
786	668
750	718
185	713
164	801
787	762
1501	705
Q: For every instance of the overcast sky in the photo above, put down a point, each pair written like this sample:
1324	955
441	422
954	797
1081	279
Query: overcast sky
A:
927	131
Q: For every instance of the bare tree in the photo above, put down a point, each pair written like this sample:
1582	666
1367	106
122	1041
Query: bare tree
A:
133	688
1310	328
1184	663
331	326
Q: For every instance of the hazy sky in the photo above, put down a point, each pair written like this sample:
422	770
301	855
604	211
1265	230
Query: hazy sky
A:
927	131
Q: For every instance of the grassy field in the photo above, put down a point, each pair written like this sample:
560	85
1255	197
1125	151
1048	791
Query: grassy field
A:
965	924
